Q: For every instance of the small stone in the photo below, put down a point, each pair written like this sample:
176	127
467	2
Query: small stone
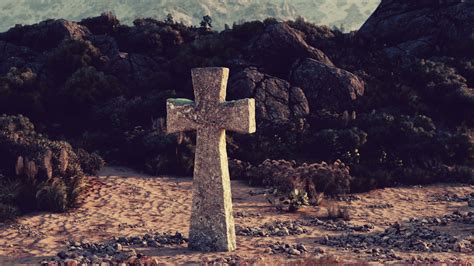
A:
153	244
70	262
319	250
470	203
122	240
301	247
62	255
110	250
118	247
294	251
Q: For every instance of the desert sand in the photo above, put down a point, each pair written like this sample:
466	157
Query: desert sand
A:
121	202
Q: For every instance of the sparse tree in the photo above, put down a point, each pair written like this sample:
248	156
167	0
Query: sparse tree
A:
206	22
169	19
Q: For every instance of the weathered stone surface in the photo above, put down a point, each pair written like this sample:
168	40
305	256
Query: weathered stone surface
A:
279	46
420	28
276	100
326	86
212	222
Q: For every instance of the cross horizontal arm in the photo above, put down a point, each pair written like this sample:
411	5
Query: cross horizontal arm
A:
181	115
240	116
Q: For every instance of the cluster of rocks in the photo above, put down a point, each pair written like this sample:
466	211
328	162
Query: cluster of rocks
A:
348	198
450	197
290	250
455	217
131	226
277	228
341	225
231	260
407	237
156	240
118	250
378	254
26	230
243	214
379	206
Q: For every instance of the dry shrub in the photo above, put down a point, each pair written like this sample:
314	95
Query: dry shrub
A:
336	212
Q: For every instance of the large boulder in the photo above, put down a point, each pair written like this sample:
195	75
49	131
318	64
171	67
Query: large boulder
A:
420	28
276	100
326	86
279	46
45	35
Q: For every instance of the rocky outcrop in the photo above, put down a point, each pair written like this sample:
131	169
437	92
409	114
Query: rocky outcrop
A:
326	86
279	46
420	28
44	35
276	100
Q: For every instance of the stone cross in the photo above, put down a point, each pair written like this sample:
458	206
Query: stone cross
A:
212	222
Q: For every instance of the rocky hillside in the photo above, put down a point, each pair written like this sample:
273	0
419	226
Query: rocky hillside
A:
390	104
350	13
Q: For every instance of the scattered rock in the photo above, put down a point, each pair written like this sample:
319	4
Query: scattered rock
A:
379	206
114	251
449	197
341	225
277	228
243	214
415	235
348	198
290	250
470	203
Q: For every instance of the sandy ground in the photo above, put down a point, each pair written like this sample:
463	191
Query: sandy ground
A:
122	202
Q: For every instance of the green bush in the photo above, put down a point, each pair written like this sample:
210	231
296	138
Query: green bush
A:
52	196
91	163
8	212
286	176
88	87
44	174
72	55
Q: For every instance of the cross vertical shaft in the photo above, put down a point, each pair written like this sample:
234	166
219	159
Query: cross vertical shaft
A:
212	223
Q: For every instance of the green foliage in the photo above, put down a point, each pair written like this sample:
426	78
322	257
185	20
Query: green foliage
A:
87	87
52	196
9	190
290	202
91	163
8	212
71	56
159	152
44	174
20	93
286	176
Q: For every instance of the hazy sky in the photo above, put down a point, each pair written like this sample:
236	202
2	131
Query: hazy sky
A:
350	13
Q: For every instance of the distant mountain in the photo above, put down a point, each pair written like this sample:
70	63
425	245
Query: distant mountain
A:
350	14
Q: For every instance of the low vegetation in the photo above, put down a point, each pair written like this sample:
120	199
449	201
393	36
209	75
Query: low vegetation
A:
106	92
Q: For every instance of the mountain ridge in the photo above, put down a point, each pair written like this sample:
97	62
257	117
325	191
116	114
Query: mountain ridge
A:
348	13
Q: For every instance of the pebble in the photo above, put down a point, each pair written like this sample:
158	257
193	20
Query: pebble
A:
341	225
290	250
414	235
277	228
114	251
